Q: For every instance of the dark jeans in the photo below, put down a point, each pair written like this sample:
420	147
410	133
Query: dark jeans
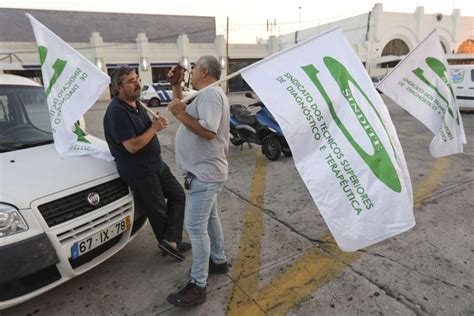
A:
166	216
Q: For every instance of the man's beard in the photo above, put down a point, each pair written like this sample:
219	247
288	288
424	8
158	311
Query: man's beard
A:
132	96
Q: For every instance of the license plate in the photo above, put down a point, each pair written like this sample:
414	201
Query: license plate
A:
87	244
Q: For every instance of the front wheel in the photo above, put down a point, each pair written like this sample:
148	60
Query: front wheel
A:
271	147
155	102
235	139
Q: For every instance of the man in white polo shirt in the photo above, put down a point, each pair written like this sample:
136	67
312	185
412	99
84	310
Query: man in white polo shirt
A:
202	143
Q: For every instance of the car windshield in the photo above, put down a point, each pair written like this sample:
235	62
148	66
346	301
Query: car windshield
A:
160	86
24	118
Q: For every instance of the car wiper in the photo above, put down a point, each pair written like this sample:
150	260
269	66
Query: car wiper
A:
34	143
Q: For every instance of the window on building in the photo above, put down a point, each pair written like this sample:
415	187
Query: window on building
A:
466	47
395	47
237	83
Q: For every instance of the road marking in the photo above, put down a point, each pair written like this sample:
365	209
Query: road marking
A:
431	181
314	268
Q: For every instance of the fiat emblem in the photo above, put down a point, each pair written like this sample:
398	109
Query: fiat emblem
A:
93	198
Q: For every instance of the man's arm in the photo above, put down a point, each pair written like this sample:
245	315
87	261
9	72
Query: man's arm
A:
177	108
135	144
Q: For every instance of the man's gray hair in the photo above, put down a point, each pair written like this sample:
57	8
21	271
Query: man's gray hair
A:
211	64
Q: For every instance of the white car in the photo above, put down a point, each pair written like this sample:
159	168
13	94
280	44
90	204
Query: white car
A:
463	82
160	93
58	217
376	80
156	94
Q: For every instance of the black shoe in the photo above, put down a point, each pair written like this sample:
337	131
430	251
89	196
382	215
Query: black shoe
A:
170	250
184	246
218	268
190	295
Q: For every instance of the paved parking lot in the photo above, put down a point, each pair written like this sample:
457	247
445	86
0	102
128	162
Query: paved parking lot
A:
284	261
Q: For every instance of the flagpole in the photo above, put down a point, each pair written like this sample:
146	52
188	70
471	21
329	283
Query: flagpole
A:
232	75
189	97
150	111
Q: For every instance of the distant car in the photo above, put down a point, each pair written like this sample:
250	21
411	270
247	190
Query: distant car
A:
160	93
463	84
376	80
156	94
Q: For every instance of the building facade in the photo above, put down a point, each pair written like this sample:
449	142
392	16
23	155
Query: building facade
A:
381	39
150	43
154	43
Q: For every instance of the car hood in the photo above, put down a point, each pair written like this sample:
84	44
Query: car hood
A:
33	173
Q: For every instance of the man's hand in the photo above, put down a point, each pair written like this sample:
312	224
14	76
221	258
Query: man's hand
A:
160	123
176	107
176	76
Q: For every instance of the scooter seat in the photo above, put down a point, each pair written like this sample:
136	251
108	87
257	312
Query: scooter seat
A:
243	115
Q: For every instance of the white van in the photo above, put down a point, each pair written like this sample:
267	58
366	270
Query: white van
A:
463	81
58	217
160	93
157	94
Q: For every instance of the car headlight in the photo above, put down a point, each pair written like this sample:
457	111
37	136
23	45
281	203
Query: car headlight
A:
11	221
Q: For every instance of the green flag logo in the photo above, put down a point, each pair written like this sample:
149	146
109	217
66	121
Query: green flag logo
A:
58	67
440	70
379	162
81	136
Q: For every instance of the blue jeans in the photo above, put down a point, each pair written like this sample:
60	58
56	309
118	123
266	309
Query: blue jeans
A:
204	228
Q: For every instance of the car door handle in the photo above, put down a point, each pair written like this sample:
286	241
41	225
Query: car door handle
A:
460	87
471	88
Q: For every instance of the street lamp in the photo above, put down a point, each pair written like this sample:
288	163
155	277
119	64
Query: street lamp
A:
99	62
145	65
222	61
185	62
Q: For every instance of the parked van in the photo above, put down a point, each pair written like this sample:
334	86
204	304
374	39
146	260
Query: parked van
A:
58	217
463	81
157	94
160	93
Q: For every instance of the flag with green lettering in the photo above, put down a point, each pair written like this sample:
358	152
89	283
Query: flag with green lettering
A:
421	84
343	141
72	85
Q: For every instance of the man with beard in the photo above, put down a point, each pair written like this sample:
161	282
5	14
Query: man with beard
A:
132	140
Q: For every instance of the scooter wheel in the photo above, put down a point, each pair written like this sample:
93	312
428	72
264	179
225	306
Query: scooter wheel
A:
235	139
271	147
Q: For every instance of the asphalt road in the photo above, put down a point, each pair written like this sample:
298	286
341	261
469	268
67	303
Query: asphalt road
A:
284	260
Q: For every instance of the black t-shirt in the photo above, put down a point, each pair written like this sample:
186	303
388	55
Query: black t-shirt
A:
121	123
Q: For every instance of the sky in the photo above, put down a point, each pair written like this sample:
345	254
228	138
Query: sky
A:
248	18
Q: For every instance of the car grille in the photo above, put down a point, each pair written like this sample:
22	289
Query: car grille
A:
75	205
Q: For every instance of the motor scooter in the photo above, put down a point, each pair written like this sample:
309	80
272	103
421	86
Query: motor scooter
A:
260	128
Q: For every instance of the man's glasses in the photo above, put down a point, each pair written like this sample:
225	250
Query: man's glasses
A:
132	81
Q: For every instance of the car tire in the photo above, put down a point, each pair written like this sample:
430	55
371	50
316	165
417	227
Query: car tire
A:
271	147
155	102
286	151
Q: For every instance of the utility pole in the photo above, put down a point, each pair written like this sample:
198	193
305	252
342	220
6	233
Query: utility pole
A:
299	24
227	52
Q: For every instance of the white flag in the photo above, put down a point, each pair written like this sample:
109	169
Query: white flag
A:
72	86
422	85
343	141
